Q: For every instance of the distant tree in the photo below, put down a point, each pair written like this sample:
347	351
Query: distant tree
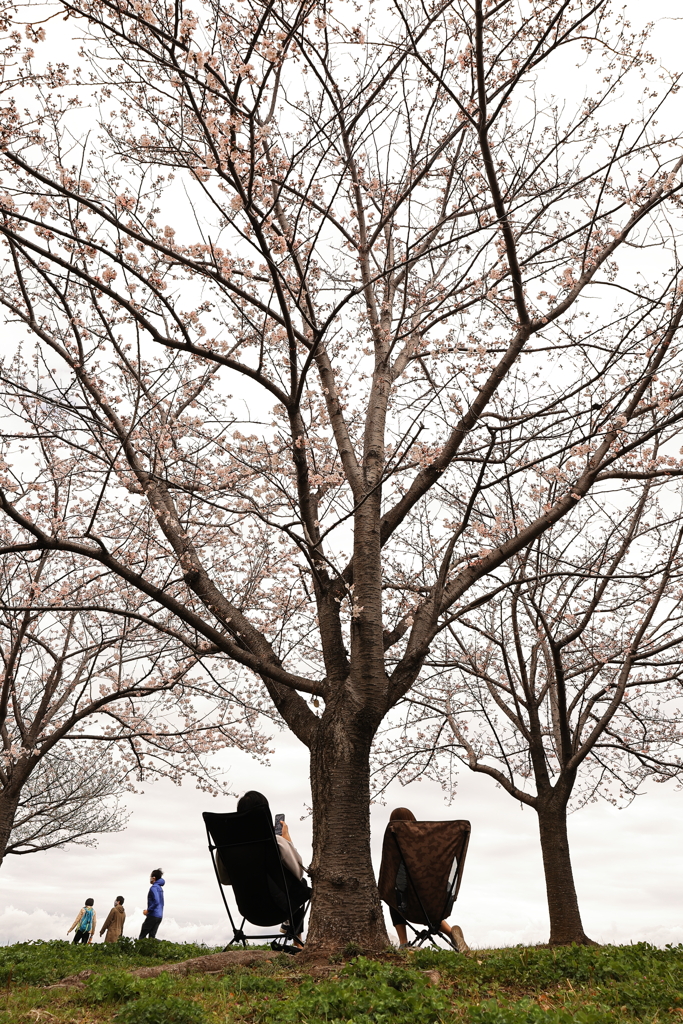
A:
91	703
565	685
71	796
304	291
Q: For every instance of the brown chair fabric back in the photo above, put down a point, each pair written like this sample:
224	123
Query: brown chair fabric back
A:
433	853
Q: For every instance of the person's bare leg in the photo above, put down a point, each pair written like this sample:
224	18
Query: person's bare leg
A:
402	934
454	933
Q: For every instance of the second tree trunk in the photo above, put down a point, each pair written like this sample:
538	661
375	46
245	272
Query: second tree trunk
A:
563	906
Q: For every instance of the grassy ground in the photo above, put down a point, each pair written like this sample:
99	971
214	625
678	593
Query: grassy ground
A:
602	985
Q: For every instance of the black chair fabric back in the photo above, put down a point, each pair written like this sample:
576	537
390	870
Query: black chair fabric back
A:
248	856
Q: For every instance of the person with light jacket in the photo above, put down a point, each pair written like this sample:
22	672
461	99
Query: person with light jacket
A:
155	906
85	923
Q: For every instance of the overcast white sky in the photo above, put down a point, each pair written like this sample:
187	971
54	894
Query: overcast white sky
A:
628	864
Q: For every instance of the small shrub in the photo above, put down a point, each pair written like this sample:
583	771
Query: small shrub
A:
167	1010
150	947
112	987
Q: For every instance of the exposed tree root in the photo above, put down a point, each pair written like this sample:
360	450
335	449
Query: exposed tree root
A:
213	963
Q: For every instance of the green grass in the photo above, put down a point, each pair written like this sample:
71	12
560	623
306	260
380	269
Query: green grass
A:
586	985
43	963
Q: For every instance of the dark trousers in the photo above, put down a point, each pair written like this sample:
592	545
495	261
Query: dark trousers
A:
149	927
81	937
298	892
298	916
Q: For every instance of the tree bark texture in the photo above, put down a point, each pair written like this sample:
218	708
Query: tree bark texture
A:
8	809
563	906
346	905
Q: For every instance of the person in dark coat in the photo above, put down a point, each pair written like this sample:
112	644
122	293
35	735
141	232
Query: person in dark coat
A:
155	906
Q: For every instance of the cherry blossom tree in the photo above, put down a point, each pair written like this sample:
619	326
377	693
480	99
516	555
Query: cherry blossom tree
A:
91	703
302	289
563	684
71	796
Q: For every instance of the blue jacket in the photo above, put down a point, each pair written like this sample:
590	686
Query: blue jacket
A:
155	899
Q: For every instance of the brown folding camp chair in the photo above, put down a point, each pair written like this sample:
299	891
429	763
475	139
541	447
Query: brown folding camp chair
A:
421	871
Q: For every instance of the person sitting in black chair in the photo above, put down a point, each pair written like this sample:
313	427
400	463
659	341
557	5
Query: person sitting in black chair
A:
264	871
291	858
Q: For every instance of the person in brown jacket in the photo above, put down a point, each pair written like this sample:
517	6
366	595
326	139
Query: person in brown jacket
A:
115	921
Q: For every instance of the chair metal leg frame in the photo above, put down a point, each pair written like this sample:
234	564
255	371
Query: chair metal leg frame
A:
237	933
429	931
283	940
427	935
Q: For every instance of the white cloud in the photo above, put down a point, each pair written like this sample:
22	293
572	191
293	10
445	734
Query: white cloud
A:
17	925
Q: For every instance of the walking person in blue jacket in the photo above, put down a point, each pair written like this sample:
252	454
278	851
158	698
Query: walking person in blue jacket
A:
155	906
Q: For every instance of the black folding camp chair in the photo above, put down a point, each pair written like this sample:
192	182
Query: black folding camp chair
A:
246	856
421	872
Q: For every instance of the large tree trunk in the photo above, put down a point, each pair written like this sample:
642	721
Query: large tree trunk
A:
563	906
346	906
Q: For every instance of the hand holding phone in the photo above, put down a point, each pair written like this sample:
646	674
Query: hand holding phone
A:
279	818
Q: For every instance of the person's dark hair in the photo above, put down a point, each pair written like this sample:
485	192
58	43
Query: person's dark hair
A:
119	899
402	814
90	903
251	800
156	874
